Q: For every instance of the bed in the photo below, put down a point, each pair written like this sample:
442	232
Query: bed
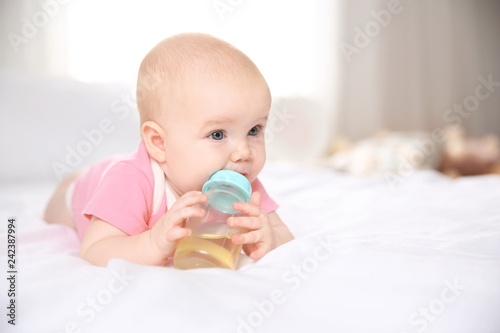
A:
368	257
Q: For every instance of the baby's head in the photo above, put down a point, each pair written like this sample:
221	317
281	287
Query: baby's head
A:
203	106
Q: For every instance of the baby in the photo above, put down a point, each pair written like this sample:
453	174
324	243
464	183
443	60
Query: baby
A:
203	107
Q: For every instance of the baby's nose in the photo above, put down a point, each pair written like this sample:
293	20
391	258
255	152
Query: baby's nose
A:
242	152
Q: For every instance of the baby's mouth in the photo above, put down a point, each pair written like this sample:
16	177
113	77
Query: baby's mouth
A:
243	173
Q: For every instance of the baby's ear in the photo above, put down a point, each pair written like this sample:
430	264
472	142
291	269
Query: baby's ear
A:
154	139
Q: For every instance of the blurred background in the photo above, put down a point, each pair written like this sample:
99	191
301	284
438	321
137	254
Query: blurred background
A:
396	73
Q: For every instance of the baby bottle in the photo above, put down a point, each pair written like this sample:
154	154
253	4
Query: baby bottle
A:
210	243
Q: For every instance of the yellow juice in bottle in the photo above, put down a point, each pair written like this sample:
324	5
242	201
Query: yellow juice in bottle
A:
204	250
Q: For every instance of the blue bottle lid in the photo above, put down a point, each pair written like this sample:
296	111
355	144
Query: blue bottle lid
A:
227	187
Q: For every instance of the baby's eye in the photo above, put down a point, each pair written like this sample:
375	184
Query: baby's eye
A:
217	135
254	131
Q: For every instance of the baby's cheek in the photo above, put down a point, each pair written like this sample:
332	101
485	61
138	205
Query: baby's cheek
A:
258	166
190	179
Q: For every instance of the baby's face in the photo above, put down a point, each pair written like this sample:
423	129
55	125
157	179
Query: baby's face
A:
216	126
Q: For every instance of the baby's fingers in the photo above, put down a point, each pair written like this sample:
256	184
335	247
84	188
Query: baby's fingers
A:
190	199
250	237
259	253
177	233
251	223
247	208
178	216
255	199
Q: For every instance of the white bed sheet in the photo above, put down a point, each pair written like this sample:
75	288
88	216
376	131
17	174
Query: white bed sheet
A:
424	257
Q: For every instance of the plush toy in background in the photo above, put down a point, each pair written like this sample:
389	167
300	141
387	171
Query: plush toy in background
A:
385	152
390	152
463	156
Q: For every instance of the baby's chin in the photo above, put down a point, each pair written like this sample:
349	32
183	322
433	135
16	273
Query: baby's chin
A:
251	178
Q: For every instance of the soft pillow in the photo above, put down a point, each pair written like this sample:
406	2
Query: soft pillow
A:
51	126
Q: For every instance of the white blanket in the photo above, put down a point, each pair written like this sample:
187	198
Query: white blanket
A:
421	257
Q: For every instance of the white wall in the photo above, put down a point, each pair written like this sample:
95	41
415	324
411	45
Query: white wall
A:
100	43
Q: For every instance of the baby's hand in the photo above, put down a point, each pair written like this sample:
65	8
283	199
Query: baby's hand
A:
260	238
170	227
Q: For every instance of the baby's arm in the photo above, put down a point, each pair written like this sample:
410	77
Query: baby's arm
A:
281	232
102	241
